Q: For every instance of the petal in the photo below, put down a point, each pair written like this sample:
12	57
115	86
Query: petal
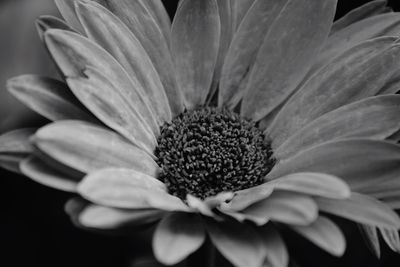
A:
219	199
239	10
87	147
114	36
370	235
74	54
384	189
198	205
362	209
325	234
50	98
284	207
159	13
74	207
314	184
177	236
392	201
245	46
294	38
138	17
15	146
376	26
17	141
277	254
372	118
67	10
127	189
45	23
365	11
194	44
339	83
392	239
104	218
238	243
360	163
42	173
112	108
244	198
227	31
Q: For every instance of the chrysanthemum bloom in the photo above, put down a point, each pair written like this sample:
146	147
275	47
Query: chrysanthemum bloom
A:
240	119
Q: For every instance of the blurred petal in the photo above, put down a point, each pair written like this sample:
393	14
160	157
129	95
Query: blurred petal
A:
74	207
362	164
177	236
127	189
104	218
392	201
74	54
370	235
50	98
17	141
284	207
112	108
21	52
325	234
277	254
238	243
107	30
15	146
314	184
46	22
372	118
392	239
87	147
138	17
367	10
67	10
366	66
362	209
42	173
244	48
194	44
294	38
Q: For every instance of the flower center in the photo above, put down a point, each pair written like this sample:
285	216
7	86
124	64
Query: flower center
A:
210	150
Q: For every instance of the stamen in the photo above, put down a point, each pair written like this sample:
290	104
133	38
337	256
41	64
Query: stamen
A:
209	150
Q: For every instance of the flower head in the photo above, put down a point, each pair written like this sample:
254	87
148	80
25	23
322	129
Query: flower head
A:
241	117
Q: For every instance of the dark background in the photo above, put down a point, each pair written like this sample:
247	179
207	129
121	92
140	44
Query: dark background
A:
34	230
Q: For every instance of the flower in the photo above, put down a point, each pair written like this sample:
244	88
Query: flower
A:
242	118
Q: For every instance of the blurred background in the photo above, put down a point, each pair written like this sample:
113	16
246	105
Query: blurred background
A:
34	230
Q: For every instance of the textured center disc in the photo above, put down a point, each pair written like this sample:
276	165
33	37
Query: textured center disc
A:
209	150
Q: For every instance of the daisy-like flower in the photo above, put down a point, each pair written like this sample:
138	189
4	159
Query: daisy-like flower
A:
239	120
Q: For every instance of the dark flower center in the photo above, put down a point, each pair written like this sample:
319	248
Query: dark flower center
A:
209	150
